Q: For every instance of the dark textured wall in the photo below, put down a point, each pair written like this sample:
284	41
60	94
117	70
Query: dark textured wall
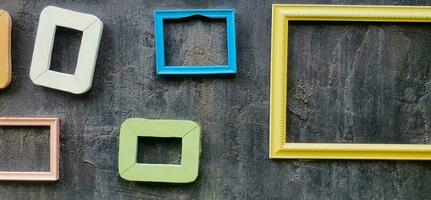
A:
349	82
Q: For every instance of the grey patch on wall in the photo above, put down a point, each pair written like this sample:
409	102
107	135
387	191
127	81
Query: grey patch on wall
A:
232	111
359	83
195	40
20	145
65	51
153	150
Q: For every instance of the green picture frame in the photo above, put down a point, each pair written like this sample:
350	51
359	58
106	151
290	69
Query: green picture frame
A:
131	170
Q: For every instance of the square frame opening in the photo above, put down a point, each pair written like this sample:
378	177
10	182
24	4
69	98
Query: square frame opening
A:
158	150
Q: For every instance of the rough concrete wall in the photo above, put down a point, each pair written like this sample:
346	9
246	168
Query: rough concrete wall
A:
363	82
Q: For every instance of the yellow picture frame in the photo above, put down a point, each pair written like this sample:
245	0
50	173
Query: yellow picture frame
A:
279	148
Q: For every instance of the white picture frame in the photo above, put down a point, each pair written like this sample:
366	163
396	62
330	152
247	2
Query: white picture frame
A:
40	73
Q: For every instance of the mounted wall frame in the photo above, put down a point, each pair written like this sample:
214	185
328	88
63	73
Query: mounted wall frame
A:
54	149
281	16
82	79
162	69
131	170
5	46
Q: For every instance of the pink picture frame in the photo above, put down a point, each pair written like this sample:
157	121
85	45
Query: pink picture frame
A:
54	149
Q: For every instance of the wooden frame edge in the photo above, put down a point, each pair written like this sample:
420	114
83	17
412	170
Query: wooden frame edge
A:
5	49
90	26
179	173
54	149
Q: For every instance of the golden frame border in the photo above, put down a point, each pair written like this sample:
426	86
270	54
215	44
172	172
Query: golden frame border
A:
5	49
281	15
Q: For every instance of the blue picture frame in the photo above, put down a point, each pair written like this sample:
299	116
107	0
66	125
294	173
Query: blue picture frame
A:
162	69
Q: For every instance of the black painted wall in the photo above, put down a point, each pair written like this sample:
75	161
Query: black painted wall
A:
349	82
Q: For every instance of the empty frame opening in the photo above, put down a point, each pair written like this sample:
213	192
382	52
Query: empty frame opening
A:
195	41
66	49
359	82
156	150
24	149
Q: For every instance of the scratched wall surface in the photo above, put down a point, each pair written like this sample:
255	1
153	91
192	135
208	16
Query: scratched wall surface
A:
360	82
